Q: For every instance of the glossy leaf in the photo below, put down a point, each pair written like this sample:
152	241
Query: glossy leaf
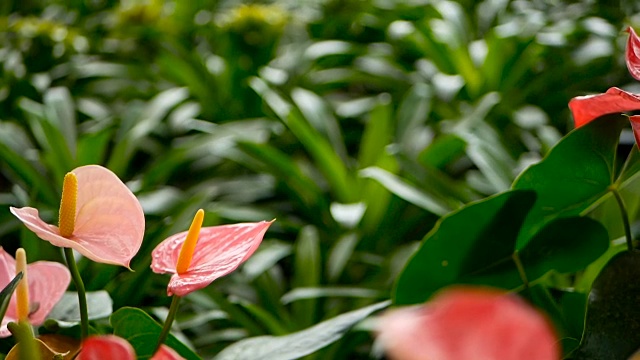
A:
474	238
475	246
142	332
575	175
612	330
298	344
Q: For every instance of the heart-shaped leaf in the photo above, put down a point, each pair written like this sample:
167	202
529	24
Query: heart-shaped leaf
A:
612	328
477	245
472	240
137	327
298	344
576	175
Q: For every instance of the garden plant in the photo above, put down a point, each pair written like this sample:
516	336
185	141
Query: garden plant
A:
339	179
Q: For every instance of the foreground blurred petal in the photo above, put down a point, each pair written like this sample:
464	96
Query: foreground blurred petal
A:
166	353
106	347
468	323
588	108
109	223
219	251
632	54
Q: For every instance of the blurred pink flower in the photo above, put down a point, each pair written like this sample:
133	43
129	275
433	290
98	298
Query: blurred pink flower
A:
101	347
468	323
588	108
109	222
219	251
47	282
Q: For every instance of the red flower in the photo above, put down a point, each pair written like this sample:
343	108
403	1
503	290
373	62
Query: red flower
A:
468	323
587	108
113	347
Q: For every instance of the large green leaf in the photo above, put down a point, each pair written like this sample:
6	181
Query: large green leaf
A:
576	174
470	240
137	327
612	327
476	245
298	344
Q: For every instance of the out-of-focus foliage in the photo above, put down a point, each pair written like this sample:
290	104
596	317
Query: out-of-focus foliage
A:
356	124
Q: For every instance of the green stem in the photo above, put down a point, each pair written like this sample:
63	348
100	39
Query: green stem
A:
625	218
23	332
173	310
521	272
82	296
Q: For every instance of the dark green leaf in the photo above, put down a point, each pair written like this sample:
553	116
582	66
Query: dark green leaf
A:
565	245
137	327
478	239
575	175
5	294
612	327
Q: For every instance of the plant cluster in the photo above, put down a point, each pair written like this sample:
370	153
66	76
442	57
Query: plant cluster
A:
393	141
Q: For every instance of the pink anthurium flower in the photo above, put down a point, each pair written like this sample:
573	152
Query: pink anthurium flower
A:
101	347
99	217
468	323
211	252
46	283
587	108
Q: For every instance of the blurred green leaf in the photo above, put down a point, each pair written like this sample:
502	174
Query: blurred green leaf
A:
301	343
426	199
308	268
99	305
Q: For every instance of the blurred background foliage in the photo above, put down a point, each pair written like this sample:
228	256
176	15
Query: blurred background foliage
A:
356	124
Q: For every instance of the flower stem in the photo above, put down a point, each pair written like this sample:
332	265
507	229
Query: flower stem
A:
173	310
82	296
520	267
625	217
23	332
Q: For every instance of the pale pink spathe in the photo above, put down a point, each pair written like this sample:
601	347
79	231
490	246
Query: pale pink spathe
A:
468	323
109	225
219	251
47	283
